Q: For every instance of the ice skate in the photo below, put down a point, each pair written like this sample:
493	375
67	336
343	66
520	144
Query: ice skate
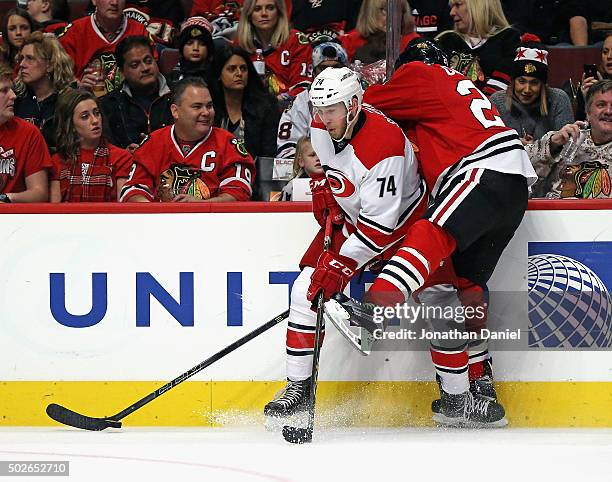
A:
466	410
293	398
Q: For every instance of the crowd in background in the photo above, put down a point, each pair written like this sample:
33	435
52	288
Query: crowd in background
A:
86	102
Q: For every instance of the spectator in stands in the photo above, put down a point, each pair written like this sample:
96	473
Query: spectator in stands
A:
191	160
588	176
212	9
45	71
305	164
368	41
529	105
264	25
25	158
91	41
326	16
142	104
161	17
242	105
17	25
604	72
295	121
86	167
553	21
482	45
431	17
196	50
49	15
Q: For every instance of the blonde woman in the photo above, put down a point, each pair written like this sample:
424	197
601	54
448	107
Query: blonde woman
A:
264	25
482	43
367	42
44	71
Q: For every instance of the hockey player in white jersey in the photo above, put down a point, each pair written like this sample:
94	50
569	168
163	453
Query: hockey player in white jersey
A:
295	120
373	192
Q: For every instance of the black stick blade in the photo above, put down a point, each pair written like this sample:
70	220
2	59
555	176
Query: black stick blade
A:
297	435
68	417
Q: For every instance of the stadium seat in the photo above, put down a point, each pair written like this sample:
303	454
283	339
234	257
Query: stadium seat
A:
568	62
168	60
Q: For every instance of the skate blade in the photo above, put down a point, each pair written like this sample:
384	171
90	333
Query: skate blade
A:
362	342
275	423
452	422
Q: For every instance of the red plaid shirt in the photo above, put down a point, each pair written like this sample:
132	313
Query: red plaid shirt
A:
92	177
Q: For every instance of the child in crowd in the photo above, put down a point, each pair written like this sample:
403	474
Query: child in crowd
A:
306	164
196	50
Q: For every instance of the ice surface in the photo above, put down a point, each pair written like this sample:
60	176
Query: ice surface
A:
345	455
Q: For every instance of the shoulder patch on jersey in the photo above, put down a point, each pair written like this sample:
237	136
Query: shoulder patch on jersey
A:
302	38
239	145
63	31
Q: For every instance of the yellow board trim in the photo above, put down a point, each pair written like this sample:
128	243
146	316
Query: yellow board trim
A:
374	404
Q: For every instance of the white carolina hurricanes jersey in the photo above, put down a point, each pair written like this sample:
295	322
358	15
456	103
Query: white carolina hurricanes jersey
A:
374	179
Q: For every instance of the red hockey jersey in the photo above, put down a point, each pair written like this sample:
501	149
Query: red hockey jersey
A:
84	42
455	125
289	66
23	152
375	181
218	164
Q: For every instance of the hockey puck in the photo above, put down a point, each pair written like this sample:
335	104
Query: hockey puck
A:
296	435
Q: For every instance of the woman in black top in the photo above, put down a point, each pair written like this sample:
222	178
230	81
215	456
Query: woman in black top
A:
242	105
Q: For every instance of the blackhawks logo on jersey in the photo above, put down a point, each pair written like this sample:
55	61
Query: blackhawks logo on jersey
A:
239	144
585	180
178	179
468	65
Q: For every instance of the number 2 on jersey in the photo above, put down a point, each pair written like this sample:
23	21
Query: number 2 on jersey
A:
479	106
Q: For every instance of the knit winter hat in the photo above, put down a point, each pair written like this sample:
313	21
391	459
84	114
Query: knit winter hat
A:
196	28
328	51
531	59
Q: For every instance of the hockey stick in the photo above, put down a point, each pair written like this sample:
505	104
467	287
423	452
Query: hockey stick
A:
68	417
299	435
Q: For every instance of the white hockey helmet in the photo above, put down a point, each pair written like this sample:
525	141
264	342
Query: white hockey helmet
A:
335	85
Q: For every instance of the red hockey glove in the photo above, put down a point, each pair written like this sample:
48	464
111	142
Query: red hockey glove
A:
331	275
323	201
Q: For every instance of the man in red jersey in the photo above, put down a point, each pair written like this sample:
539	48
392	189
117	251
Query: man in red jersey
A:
191	160
90	41
477	173
24	157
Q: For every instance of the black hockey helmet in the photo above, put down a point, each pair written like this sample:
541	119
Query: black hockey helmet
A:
424	50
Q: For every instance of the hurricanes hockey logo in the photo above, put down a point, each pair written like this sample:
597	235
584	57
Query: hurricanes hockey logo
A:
340	185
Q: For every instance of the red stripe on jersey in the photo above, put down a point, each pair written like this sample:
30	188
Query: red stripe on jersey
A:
449	202
377	236
299	340
449	360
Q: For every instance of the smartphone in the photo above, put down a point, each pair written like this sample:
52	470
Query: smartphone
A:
590	70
